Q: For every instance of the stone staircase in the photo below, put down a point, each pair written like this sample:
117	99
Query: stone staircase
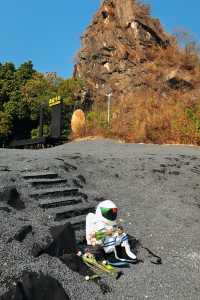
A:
62	202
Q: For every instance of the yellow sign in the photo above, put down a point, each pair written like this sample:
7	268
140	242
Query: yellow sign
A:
54	101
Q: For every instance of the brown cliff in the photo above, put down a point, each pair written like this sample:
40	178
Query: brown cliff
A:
126	52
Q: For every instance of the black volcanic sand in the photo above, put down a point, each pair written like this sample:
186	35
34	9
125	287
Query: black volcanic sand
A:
157	190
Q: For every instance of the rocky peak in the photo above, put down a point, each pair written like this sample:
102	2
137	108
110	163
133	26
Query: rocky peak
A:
117	47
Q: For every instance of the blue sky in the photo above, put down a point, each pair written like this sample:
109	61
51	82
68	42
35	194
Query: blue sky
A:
48	31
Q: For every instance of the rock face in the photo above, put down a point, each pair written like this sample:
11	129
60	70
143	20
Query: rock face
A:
121	51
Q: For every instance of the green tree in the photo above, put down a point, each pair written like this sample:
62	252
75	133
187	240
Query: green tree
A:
24	72
36	92
23	91
7	82
69	89
11	98
5	126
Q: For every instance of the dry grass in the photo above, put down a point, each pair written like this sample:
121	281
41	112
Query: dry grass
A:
146	118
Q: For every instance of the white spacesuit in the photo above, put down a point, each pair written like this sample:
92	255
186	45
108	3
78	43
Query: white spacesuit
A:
102	229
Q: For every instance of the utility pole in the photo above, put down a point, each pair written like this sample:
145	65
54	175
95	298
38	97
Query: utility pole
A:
109	105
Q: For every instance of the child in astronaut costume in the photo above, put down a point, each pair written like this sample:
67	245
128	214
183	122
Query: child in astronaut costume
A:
104	222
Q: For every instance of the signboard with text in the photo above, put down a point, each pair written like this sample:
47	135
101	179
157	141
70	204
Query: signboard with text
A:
54	101
56	116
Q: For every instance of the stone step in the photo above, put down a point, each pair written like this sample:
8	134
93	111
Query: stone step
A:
195	170
46	175
71	211
46	182
51	193
82	195
5	209
77	222
49	203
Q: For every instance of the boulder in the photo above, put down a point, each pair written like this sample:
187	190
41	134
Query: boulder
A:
36	286
22	233
78	122
64	240
11	196
61	239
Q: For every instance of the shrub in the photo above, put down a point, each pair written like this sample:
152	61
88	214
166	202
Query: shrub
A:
149	118
35	132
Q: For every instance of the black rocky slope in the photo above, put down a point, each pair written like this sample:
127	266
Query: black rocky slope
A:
155	187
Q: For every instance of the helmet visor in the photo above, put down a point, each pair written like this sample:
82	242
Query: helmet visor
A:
109	213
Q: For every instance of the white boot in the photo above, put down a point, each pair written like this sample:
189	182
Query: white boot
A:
128	251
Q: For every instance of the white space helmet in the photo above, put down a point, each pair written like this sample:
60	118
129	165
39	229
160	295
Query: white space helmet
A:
107	211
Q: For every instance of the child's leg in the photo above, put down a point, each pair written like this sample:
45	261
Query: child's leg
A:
109	244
